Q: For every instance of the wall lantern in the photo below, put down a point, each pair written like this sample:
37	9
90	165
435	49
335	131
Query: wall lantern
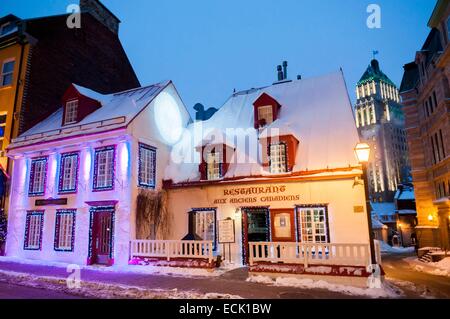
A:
362	152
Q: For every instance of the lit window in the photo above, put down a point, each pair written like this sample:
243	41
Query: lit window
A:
213	165
104	168
312	225
68	173
265	113
64	230
71	113
37	176
278	163
205	224
7	28
7	73
2	129
33	230
147	166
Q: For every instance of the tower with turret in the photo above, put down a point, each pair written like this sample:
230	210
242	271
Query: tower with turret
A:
381	124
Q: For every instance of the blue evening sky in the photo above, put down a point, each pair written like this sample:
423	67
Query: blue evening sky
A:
210	47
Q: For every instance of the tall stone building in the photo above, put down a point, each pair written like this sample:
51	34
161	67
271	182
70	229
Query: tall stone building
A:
380	121
425	92
41	57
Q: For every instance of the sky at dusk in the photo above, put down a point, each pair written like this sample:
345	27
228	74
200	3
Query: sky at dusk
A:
210	47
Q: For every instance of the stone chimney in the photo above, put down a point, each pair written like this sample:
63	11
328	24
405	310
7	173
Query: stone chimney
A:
101	13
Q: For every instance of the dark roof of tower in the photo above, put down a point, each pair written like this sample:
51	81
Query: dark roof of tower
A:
374	73
410	77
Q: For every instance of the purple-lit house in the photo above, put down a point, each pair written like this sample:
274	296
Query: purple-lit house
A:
77	173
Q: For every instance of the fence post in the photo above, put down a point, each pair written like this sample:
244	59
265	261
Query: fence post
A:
250	254
167	246
305	263
210	252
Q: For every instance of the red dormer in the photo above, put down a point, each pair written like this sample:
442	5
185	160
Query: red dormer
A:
215	160
279	153
266	110
77	105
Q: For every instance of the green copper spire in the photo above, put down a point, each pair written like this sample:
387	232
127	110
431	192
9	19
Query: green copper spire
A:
373	73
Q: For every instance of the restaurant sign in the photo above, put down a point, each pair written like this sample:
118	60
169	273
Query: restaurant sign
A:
255	194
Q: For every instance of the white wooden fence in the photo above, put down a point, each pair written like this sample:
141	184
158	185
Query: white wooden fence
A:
317	254
170	249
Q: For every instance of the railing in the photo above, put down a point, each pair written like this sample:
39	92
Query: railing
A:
170	249
317	254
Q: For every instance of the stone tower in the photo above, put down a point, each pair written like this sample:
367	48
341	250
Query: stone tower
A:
380	122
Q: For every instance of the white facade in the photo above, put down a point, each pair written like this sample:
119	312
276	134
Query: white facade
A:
123	121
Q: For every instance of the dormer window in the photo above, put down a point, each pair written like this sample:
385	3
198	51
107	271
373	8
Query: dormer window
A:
265	114
278	159
216	159
265	110
71	112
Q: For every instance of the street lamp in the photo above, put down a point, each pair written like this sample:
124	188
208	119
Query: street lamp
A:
362	152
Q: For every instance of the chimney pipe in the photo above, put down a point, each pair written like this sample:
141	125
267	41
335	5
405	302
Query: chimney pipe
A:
285	64
280	73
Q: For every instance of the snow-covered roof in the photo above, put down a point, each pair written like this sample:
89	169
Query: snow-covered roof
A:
407	212
405	194
383	209
117	110
376	224
317	111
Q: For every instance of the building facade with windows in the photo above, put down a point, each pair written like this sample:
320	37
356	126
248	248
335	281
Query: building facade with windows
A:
381	124
279	161
425	92
77	174
41	57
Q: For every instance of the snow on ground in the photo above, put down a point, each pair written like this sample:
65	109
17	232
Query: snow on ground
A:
387	290
386	248
440	268
102	290
137	269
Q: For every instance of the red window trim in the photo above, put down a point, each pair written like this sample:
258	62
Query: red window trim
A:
264	100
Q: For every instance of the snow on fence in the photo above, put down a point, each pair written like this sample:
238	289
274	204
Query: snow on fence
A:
170	249
317	254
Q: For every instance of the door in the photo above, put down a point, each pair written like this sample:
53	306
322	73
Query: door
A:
101	240
256	228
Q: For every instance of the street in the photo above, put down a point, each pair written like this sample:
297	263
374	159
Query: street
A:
9	291
412	283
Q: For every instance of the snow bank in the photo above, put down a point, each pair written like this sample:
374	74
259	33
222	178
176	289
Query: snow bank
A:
105	291
387	291
440	268
385	248
137	269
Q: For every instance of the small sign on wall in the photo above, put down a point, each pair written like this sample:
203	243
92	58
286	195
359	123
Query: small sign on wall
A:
226	231
358	209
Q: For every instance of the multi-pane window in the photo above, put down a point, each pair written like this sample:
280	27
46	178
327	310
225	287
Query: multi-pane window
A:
38	174
104	168
437	147
2	129
265	113
213	165
147	166
312	225
68	173
33	230
205	224
7	73
278	160
7	28
71	112
64	230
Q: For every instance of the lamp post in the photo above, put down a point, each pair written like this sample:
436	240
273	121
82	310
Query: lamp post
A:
362	152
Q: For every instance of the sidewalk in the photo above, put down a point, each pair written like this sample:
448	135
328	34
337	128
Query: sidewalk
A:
232	282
